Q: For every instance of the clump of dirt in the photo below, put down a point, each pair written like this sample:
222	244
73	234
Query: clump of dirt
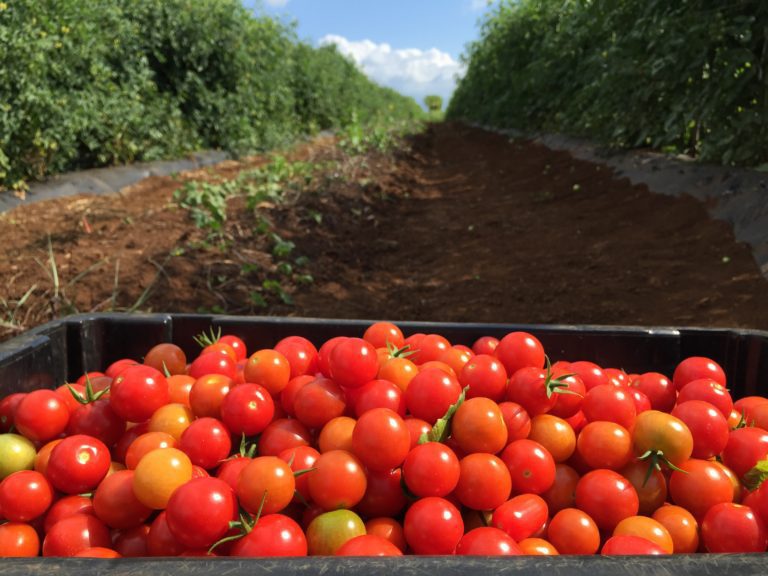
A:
458	225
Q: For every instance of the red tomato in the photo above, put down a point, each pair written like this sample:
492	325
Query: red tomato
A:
18	540
710	391
115	504
699	486
624	545
562	493
516	419
75	534
573	531
520	350
65	507
368	545
485	345
381	334
431	393
478	426
353	362
610	403
379	394
607	497
590	373
97	419
384	494
603	444
213	363
485	375
282	434
484	481
318	402
433	526
531	467
731	528
522	516
24	496
338	480
236	344
660	391
247	409
697	367
708	427
137	392
300	353
78	463
268	368
41	415
199	512
272	535
167	358
745	447
487	541
682	527
266	484
431	469
8	407
206	441
380	439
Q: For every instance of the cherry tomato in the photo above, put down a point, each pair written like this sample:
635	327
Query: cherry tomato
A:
682	527
18	540
484	481
379	394
697	367
659	431
710	391
41	415
389	529
8	407
626	545
607	497
431	393
206	441
353	362
531	467
144	444
517	420
78	463
520	350
603	444
213	363
266	484
368	545
268	368
745	447
537	547
700	485
300	353
651	489
318	402
115	504
485	375
137	392
75	534
24	496
97	419
338	480
660	391
247	409
158	474
272	535
381	334
572	531
337	434
167	358
433	526
708	427
380	439
400	371
532	389
431	469
562	493
729	528
647	528
478	426
487	541
199	512
522	516
555	435
612	404
384	494
331	530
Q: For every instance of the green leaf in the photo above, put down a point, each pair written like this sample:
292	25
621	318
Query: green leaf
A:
757	475
442	427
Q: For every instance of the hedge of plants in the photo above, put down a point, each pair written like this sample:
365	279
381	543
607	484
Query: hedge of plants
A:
99	82
686	76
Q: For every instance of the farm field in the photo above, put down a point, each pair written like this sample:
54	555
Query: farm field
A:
453	224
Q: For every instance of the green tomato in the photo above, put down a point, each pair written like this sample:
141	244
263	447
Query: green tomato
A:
330	530
16	453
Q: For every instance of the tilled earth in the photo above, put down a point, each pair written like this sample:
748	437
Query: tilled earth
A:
458	225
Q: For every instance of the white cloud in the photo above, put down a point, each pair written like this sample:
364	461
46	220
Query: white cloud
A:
411	71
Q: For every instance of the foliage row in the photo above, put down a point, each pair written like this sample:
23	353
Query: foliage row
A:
93	83
685	76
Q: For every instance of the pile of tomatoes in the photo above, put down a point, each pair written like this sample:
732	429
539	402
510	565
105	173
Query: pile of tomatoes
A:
382	445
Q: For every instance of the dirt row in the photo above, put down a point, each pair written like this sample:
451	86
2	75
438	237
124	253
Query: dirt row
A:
458	225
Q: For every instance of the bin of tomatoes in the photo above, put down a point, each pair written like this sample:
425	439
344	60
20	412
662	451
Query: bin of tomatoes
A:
210	437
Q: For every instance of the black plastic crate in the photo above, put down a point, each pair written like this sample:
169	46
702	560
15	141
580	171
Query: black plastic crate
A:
60	351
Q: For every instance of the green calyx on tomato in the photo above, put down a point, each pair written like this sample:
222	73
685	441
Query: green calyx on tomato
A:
90	396
404	352
206	339
442	428
243	525
756	476
655	459
556	384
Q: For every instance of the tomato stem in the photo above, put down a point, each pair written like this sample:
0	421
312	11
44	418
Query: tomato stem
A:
206	339
656	458
442	428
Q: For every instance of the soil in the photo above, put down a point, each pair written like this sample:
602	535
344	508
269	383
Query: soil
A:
459	224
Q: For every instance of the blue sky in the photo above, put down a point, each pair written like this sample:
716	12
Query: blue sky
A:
410	45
